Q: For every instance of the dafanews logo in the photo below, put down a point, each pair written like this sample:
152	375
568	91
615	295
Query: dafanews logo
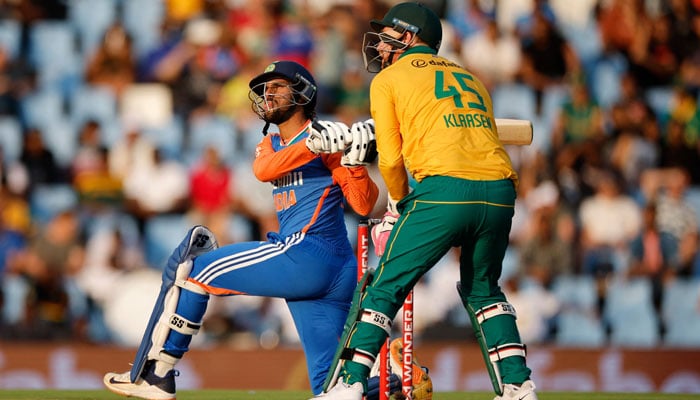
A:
444	63
467	121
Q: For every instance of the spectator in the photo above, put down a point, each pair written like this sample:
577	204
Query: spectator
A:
537	308
525	23
158	187
353	96
653	254
547	57
652	57
676	152
191	62
99	191
87	155
108	258
636	150
494	56
619	22
580	120
468	17
545	256
210	183
16	80
292	38
12	242
677	217
333	35
14	211
609	220
113	64
131	151
38	161
577	140
44	273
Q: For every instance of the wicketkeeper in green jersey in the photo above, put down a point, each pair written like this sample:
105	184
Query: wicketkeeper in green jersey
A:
434	120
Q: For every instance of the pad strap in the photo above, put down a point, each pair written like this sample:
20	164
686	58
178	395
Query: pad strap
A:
376	318
493	310
506	350
190	287
178	323
359	356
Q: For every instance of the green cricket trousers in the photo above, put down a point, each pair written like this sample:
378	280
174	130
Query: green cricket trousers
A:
444	212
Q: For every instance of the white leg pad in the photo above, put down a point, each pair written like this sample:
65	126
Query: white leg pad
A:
170	320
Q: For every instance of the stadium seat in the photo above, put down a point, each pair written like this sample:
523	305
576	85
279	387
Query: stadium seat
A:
168	137
61	137
162	234
10	37
211	130
681	297
42	108
579	329
250	136
606	81
90	102
91	18
514	101
112	132
683	332
661	99
142	19
576	292
692	197
630	313
54	53
46	201
552	100
680	312
51	41
10	139
125	224
239	228
585	40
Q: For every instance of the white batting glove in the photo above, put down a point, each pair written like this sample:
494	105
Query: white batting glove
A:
328	137
381	231
363	147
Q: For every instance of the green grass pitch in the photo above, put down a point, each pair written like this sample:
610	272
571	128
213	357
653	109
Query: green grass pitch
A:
303	395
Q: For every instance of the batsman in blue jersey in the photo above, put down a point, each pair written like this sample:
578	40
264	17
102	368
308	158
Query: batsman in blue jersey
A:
313	166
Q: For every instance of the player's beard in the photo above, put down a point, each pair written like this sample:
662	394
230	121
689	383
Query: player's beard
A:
281	114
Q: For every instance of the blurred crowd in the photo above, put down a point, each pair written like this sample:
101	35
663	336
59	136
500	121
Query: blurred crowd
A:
124	122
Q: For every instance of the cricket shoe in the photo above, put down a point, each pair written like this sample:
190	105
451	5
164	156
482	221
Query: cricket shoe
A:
148	386
526	391
422	384
343	391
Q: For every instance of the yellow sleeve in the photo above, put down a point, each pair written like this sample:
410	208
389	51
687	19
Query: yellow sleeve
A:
389	141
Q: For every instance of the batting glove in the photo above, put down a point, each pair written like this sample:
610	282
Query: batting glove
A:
381	231
363	147
328	137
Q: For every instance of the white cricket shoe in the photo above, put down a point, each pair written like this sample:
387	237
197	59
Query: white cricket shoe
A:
526	391
343	391
148	386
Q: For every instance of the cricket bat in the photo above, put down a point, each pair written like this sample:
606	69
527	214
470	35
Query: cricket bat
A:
514	131
510	131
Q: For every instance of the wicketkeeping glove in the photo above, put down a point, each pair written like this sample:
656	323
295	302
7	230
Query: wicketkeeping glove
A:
381	231
328	137
363	147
